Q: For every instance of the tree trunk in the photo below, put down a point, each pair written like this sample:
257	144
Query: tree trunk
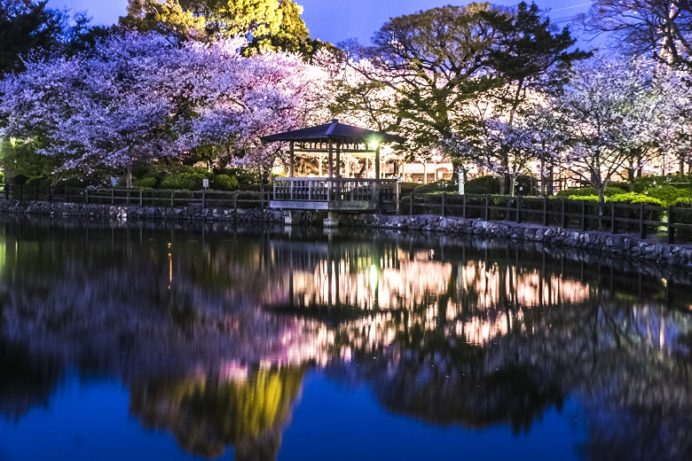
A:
551	176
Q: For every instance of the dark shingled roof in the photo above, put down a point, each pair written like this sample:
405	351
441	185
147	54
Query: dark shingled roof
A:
333	131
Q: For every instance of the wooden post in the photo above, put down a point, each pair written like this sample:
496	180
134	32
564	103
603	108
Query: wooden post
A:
112	195
518	216
235	200
545	211
377	162
398	197
291	159
338	160
86	196
563	214
584	224
444	200
613	228
204	198
642	226
330	168
172	199
463	206
21	192
410	204
486	211
141	197
671	225
50	193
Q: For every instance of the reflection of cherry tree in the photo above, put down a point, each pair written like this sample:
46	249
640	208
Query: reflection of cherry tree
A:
213	337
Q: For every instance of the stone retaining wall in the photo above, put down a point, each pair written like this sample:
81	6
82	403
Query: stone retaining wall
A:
137	212
620	245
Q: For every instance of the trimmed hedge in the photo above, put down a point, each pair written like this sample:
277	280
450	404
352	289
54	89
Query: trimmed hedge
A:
589	191
483	185
669	194
225	182
647	182
187	181
148	182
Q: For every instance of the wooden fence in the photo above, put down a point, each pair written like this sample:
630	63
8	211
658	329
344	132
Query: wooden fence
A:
141	197
671	223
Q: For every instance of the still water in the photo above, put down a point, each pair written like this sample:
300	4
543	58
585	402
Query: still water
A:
152	342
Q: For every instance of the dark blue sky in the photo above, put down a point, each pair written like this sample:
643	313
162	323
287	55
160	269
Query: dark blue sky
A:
337	20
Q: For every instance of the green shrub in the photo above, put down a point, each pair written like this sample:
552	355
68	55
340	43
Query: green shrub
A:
148	182
436	187
225	182
525	185
189	181
623	185
483	185
683	202
586	191
37	181
668	194
647	182
247	179
408	187
635	199
583	198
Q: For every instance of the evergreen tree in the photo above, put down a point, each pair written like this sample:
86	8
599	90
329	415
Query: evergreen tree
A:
268	24
27	26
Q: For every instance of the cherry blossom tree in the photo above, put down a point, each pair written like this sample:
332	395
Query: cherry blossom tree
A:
675	133
610	108
139	98
112	109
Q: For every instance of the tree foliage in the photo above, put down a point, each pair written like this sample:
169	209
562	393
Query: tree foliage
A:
139	98
439	63
661	28
27	27
268	25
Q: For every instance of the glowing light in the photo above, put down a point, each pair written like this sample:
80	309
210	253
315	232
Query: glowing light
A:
374	143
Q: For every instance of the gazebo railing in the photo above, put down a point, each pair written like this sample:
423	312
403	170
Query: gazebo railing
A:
336	190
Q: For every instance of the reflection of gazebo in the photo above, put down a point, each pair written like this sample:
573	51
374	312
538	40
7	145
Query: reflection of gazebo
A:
334	193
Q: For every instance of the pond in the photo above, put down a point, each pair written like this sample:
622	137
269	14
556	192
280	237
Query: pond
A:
152	341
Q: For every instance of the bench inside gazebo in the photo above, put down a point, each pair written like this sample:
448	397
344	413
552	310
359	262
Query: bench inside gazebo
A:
334	193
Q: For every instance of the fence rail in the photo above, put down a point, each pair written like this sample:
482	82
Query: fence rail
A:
672	223
648	221
141	197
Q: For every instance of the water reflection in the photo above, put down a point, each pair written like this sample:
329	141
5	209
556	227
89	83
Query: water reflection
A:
213	332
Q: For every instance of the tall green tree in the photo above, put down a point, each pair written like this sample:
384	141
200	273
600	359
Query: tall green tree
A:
268	24
439	63
27	26
533	59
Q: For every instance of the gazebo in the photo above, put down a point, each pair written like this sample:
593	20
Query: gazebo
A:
334	193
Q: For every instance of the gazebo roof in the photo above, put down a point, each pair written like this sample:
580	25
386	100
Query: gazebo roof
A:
333	131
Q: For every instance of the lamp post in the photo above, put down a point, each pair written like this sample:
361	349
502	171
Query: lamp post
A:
462	180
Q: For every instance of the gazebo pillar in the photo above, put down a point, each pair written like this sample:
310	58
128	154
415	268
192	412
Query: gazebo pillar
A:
338	160
331	161
377	162
290	159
